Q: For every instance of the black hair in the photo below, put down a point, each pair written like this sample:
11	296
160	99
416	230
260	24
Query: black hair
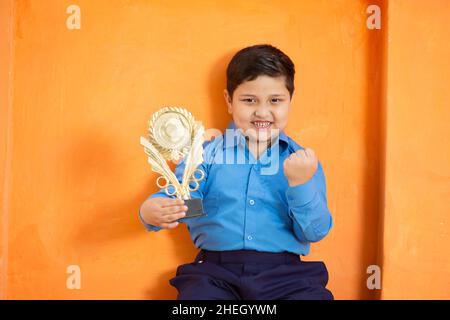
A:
264	59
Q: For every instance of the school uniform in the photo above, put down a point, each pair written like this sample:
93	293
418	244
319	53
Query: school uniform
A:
256	226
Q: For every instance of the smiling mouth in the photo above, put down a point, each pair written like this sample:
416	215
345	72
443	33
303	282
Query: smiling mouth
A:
262	124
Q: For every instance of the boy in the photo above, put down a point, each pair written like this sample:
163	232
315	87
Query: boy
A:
260	217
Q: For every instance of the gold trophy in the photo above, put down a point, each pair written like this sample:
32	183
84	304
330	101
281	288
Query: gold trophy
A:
174	135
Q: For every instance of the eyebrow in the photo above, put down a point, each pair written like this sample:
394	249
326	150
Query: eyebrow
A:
278	95
272	95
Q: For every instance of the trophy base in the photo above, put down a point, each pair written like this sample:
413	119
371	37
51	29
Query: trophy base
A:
195	208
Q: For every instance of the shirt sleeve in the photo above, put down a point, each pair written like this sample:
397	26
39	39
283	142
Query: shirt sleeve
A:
308	208
179	170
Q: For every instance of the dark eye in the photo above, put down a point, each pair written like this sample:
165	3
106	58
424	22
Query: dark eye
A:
276	100
249	100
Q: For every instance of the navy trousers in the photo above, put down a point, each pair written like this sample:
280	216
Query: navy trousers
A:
251	275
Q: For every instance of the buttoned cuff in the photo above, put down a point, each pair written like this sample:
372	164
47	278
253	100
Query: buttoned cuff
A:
301	194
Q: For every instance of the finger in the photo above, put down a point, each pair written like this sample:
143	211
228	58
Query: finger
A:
174	217
310	152
174	209
171	202
169	225
301	153
293	157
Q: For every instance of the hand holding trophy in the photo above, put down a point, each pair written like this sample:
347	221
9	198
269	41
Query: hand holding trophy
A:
174	135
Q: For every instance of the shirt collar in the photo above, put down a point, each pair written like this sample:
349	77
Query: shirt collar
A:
241	139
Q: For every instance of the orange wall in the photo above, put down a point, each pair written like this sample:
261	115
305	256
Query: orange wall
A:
75	173
6	83
416	224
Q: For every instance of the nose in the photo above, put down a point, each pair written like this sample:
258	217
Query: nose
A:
262	111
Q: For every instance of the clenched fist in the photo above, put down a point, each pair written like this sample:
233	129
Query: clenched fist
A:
300	166
163	212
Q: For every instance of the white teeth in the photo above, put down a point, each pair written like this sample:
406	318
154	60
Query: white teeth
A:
262	124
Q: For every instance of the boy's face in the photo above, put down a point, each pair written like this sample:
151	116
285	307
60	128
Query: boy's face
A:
259	106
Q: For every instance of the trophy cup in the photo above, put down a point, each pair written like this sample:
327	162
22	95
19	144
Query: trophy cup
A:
173	135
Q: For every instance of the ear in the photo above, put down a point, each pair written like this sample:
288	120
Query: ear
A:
227	100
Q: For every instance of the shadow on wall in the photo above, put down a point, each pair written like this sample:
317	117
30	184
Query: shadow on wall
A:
216	84
374	153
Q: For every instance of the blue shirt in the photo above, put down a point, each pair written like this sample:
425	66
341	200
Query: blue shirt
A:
249	203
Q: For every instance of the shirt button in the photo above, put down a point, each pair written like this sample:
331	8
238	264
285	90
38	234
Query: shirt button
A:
249	237
252	202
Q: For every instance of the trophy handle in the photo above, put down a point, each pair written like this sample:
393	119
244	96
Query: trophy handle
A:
193	159
196	180
166	186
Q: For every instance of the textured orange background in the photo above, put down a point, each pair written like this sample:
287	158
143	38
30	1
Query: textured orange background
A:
373	104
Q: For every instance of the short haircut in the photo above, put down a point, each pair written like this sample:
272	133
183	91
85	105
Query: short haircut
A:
264	59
